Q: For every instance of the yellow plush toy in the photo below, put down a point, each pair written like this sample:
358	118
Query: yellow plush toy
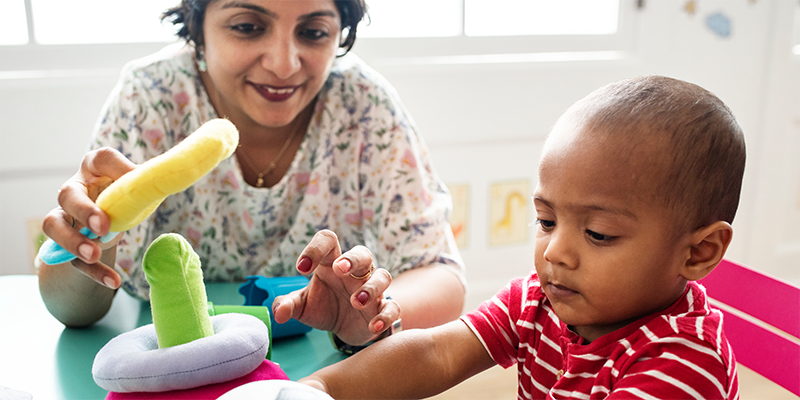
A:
134	196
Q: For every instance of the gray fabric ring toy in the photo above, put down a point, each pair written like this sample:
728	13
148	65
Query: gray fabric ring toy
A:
132	361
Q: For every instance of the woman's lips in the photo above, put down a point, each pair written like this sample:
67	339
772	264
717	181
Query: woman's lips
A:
275	93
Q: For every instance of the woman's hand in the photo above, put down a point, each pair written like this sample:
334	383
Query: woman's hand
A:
77	209
345	295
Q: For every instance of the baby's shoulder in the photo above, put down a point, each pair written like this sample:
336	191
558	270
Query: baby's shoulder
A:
688	334
669	350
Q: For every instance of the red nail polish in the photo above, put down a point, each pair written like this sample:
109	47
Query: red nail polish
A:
362	298
304	265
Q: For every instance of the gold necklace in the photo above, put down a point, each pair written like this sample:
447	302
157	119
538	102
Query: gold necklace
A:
274	163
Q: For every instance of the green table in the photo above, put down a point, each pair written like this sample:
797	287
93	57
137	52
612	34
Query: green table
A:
41	357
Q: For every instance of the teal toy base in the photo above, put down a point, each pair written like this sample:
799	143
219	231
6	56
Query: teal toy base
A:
51	253
262	291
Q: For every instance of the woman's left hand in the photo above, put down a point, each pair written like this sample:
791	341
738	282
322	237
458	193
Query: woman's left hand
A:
345	294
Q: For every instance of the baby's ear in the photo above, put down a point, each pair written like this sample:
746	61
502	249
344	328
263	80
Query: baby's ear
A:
708	246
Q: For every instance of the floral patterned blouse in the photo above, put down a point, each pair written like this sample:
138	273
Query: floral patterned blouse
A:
362	171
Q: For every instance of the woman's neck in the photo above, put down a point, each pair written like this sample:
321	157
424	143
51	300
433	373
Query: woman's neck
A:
265	154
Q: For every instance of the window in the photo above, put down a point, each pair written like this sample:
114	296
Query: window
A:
103	34
87	21
449	18
412	18
78	37
796	32
13	23
494	31
100	21
540	17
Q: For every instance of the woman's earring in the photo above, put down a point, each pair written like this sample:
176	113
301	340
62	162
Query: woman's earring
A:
201	62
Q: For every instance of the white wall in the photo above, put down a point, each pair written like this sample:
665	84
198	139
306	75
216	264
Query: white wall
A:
485	123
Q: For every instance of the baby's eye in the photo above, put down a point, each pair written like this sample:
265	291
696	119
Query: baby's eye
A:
546	224
599	236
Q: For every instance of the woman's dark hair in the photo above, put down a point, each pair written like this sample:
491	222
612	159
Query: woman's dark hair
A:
189	15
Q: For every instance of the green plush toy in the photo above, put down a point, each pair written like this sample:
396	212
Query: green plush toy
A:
184	353
177	293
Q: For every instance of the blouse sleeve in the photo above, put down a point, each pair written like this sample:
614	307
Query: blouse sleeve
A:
405	205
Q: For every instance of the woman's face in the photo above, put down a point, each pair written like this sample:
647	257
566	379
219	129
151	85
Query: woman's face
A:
268	59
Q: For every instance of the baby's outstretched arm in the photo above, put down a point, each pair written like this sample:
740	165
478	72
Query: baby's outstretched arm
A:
415	363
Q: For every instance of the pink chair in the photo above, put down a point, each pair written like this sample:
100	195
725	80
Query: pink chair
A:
762	321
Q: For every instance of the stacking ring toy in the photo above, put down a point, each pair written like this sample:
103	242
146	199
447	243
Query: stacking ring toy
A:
184	348
133	362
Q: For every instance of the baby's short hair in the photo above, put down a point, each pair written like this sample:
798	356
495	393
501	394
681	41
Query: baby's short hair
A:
702	178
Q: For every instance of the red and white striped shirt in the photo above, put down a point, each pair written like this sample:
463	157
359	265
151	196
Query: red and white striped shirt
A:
679	353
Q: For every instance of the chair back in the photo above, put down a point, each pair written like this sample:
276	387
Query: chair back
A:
762	320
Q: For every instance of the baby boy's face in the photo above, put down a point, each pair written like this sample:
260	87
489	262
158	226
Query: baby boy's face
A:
604	249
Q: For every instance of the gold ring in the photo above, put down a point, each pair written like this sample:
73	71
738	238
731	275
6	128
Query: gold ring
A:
367	275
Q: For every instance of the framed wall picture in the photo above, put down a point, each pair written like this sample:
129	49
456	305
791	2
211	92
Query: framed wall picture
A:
508	212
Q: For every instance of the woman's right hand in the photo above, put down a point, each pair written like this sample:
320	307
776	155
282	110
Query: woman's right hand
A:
77	209
345	294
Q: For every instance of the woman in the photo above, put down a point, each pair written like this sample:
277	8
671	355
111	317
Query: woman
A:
325	145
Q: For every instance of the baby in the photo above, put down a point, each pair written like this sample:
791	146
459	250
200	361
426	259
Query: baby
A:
637	189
